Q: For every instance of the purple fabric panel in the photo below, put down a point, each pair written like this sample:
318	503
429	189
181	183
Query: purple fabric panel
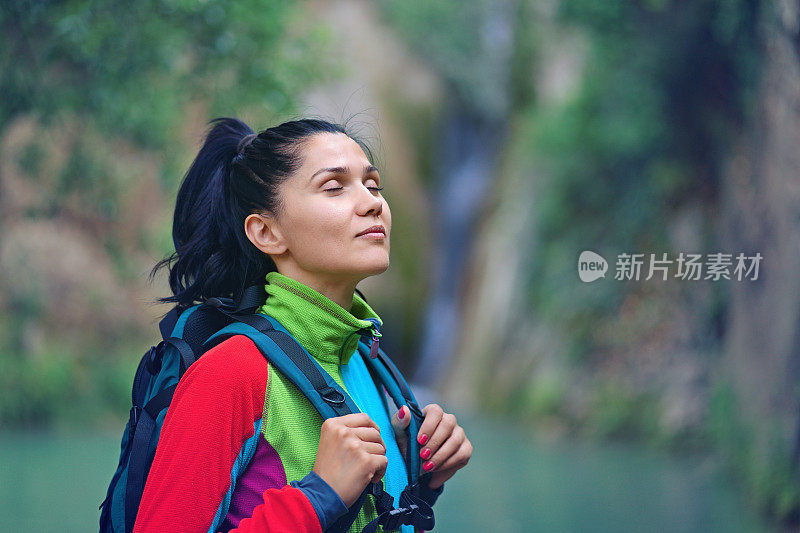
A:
265	471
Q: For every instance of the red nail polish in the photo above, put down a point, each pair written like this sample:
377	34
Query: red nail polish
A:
425	453
402	412
422	439
427	466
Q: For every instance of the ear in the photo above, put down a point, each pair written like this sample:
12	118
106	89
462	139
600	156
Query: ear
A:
264	232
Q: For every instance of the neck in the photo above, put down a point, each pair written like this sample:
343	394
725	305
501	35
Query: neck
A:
340	290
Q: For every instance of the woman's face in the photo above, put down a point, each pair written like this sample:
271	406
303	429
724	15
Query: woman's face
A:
332	198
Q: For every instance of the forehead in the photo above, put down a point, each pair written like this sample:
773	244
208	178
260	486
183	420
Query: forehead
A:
332	149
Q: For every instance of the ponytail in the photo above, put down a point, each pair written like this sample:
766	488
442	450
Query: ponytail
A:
236	172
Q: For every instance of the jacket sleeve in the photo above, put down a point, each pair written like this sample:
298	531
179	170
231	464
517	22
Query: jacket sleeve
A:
213	412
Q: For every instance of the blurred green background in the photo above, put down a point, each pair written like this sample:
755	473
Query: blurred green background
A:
511	135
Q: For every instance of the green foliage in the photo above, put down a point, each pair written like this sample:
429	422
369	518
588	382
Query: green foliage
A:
133	68
33	388
61	383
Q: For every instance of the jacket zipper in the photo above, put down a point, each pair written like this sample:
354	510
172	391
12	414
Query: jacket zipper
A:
375	335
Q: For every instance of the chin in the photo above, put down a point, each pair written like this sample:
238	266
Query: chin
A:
379	269
376	267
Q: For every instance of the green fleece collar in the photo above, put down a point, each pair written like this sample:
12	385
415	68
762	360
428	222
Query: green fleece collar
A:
324	328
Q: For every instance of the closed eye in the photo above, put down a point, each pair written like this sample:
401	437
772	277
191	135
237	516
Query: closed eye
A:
340	188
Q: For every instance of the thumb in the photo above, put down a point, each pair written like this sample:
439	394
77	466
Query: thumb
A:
400	421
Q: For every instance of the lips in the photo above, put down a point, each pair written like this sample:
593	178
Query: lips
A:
373	229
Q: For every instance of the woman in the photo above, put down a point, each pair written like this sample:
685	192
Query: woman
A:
297	207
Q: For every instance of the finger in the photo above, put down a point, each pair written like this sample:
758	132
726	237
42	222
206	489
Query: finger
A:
374	448
446	426
401	420
380	464
367	434
446	449
460	458
358	420
433	414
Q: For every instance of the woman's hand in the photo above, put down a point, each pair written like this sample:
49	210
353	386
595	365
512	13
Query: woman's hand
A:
351	454
445	447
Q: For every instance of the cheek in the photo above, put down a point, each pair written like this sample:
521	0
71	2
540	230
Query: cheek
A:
320	226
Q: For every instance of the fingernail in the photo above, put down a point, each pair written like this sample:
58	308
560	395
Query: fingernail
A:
422	439
402	413
428	466
425	453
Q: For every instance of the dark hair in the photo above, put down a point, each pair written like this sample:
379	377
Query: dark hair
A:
235	173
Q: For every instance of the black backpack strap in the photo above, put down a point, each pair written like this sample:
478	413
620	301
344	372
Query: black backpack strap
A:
138	466
413	510
252	299
187	354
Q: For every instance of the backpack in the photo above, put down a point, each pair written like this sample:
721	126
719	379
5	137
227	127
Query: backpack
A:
187	333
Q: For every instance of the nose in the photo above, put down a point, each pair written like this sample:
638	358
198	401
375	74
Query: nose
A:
369	203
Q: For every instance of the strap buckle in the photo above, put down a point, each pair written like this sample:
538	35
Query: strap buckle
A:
401	515
413	510
332	396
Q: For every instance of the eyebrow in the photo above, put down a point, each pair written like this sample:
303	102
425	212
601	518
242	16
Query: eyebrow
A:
343	170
